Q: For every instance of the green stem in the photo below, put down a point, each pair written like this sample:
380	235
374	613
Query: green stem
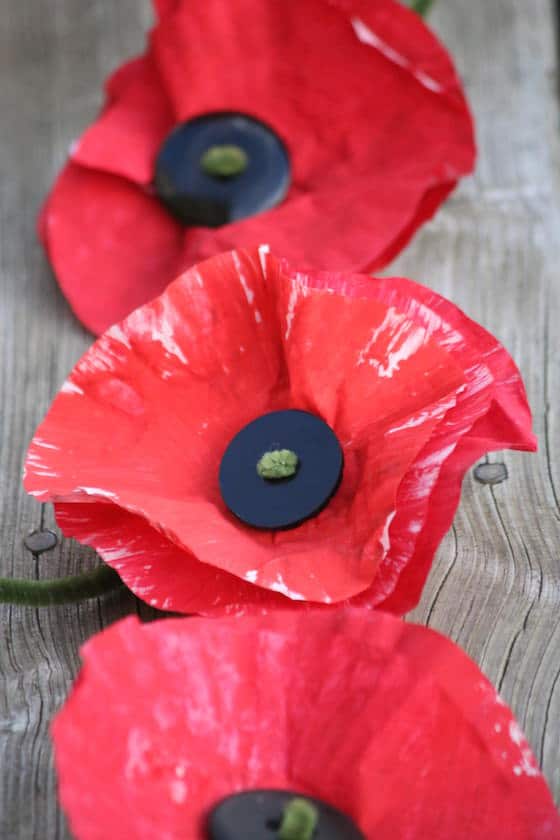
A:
299	820
43	593
421	7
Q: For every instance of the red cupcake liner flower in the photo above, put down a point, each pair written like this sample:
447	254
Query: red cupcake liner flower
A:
414	391
389	722
362	94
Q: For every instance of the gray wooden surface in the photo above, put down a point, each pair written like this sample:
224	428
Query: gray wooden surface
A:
494	248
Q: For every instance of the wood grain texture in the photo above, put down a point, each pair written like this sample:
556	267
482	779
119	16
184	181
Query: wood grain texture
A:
495	587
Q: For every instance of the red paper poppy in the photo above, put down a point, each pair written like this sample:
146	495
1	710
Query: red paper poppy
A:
363	95
389	722
131	448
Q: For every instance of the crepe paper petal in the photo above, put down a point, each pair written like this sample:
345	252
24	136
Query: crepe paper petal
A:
407	41
126	137
389	722
157	570
165	7
374	119
413	389
501	417
491	413
351	219
109	244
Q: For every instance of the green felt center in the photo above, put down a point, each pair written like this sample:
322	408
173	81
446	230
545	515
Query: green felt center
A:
224	161
299	820
278	464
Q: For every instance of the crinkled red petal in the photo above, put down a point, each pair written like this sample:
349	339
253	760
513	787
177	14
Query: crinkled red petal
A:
505	424
409	117
165	7
363	94
156	569
356	225
491	413
368	169
126	137
112	247
388	721
147	413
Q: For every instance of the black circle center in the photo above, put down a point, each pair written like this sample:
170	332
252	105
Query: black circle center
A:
199	176
256	815
284	502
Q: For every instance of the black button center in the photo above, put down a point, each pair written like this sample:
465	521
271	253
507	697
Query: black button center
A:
310	462
257	815
221	167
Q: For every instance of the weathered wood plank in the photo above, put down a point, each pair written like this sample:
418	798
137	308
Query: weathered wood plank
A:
496	584
53	58
495	588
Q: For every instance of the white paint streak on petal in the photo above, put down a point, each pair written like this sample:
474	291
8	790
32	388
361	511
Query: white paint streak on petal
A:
292	303
137	748
178	790
44	445
97	491
428	82
384	538
165	334
38	493
369	37
117	332
407	348
527	765
198	277
436	458
415	420
157	323
71	388
249	293
280	586
264	250
113	554
390	317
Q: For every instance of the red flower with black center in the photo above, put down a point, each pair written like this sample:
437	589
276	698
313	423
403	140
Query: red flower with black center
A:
331	129
371	397
387	722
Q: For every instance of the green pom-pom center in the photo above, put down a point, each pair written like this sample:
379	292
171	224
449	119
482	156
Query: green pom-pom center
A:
299	820
224	161
278	464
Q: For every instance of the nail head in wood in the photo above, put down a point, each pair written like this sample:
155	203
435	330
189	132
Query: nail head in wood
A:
40	541
491	473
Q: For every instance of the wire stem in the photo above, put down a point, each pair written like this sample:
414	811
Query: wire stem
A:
44	593
421	7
